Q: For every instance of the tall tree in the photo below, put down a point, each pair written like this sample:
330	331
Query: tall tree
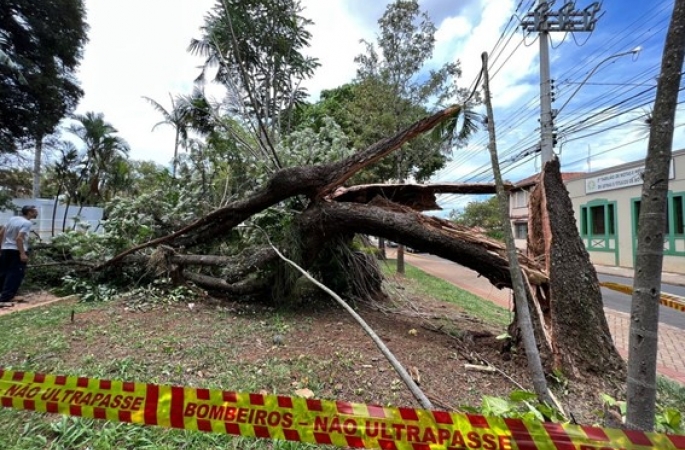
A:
484	214
525	322
258	47
43	43
103	148
644	323
396	67
177	118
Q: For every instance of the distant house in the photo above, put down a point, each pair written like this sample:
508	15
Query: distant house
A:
606	205
518	204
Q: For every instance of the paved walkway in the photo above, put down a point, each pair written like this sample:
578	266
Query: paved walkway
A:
671	347
34	300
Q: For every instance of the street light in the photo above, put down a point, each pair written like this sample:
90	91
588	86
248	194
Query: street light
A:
634	51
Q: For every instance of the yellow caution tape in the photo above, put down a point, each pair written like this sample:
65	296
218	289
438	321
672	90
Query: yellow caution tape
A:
338	423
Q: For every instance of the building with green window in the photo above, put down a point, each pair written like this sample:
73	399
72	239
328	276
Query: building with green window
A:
607	205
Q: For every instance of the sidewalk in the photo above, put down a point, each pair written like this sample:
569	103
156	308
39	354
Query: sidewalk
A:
671	347
666	277
34	300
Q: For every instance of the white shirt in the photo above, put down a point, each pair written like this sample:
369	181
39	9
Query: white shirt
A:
16	225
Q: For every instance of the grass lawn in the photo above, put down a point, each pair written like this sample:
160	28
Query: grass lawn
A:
44	340
220	347
423	284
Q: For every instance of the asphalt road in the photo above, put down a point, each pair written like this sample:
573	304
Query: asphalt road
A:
619	301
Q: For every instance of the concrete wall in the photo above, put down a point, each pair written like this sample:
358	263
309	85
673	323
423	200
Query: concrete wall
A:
518	212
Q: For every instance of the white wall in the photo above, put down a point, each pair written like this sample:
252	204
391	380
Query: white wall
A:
623	197
89	216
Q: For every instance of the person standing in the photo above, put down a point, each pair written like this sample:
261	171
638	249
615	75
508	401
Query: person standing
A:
14	251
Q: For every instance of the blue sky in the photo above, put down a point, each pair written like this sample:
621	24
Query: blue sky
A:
139	49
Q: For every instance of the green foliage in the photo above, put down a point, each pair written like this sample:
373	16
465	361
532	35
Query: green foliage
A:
14	183
484	214
394	90
669	419
520	404
102	167
308	147
87	290
365	113
5	201
41	44
258	47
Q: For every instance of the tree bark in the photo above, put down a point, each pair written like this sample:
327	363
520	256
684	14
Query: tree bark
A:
439	237
420	197
245	287
37	160
644	315
525	324
571	306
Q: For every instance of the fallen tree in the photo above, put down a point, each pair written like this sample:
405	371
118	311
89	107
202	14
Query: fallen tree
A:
333	214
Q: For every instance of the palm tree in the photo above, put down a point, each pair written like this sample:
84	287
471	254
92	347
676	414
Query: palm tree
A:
177	117
102	148
198	112
63	173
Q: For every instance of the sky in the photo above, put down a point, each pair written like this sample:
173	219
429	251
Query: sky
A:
139	48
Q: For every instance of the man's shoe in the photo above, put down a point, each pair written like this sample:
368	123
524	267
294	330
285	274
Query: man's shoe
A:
20	300
6	304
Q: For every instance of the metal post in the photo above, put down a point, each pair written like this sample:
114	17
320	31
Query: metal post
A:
546	119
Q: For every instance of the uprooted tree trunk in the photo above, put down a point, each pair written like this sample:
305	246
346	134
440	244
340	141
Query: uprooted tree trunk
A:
570	309
333	216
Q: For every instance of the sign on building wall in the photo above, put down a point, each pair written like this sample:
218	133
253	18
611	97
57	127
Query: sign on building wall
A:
619	179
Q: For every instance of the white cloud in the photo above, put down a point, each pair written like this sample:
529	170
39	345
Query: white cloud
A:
138	48
335	42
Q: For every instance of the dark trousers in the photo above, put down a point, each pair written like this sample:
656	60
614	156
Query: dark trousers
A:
11	274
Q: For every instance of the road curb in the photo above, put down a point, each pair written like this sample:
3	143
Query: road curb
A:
672	301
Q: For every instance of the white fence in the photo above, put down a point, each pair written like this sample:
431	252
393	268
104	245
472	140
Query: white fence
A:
89	217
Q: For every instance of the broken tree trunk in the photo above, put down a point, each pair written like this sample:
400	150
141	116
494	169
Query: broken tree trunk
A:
325	221
420	197
535	369
571	305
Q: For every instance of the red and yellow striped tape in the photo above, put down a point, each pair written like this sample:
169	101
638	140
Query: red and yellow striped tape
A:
338	423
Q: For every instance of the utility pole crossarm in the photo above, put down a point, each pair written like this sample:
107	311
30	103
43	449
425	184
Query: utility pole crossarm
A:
543	20
566	19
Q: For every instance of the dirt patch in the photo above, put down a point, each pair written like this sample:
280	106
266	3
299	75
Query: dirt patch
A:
234	346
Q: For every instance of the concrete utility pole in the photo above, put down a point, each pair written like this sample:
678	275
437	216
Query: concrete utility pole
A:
544	21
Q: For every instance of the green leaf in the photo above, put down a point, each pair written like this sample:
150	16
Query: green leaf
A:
608	400
496	406
522	396
673	418
470	409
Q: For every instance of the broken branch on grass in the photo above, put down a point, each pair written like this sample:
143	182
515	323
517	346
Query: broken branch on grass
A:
401	371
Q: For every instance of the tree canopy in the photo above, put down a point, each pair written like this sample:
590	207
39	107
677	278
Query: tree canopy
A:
258	47
483	214
42	44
